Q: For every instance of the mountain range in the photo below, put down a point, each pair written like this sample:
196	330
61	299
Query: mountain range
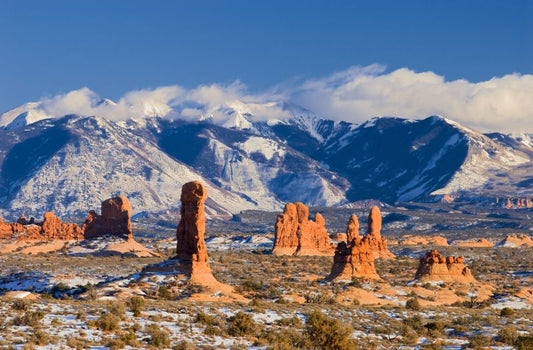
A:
69	164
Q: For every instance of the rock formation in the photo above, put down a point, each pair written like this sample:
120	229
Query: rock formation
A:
424	240
295	234
479	242
115	220
447	198
8	230
516	241
53	228
377	243
353	258
191	248
436	267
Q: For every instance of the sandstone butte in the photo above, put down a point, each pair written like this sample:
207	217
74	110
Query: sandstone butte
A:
115	220
52	228
353	258
191	249
295	234
378	244
414	240
436	267
516	241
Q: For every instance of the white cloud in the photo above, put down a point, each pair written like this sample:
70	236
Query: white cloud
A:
355	94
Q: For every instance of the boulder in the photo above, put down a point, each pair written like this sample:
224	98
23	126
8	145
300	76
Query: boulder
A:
295	234
436	267
114	221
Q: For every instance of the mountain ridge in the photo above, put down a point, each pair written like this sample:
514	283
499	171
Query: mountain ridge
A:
52	163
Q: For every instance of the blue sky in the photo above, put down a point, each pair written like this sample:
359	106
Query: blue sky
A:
51	47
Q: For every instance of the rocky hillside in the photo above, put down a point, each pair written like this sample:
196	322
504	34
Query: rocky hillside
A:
69	164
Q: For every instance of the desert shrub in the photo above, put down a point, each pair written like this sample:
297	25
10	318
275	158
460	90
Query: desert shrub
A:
129	337
506	311
355	282
202	317
184	345
115	344
136	305
212	330
251	285
158	337
21	305
241	324
328	333
319	298
356	302
409	335
285	339
524	342
416	322
293	321
77	343
107	322
40	338
28	319
435	328
413	304
116	308
164	293
60	288
507	335
479	341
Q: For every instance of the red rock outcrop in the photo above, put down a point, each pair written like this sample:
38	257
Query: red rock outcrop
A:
8	230
436	267
353	258
191	248
516	241
115	220
377	243
447	198
295	234
52	228
424	240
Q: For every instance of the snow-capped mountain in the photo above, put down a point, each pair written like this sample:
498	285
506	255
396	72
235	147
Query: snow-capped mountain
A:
69	164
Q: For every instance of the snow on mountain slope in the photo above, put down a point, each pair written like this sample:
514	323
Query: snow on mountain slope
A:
26	114
484	161
101	159
258	168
